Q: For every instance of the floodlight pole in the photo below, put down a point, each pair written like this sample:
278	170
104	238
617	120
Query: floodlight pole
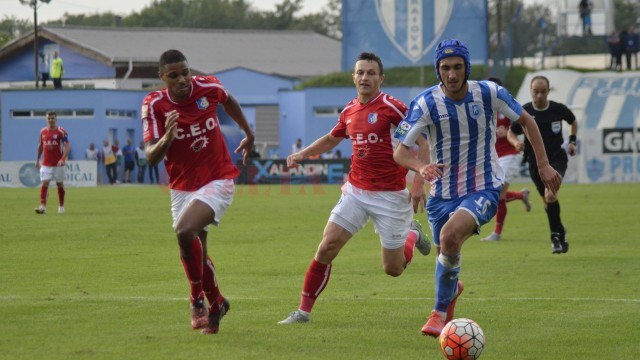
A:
34	5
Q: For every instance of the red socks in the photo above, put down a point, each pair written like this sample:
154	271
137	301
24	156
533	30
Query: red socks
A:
500	216
43	195
514	195
315	281
61	195
409	247
193	268
210	284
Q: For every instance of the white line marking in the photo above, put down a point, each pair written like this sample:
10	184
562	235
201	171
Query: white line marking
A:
10	298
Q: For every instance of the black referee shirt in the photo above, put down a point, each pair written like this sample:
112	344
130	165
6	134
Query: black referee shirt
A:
549	122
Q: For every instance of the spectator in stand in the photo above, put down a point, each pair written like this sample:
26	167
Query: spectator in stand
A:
92	153
43	67
119	157
57	70
585	8
128	153
615	50
154	177
631	47
141	160
110	163
297	146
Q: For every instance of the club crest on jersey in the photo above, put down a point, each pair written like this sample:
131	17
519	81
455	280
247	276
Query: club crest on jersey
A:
55	136
202	103
373	118
474	110
556	126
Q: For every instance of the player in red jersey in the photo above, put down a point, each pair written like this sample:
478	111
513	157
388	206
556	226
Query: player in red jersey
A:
181	126
509	159
376	186
54	144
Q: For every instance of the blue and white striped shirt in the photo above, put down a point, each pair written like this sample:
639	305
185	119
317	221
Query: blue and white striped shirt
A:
461	135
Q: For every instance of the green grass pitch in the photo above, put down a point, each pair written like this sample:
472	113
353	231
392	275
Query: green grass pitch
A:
104	281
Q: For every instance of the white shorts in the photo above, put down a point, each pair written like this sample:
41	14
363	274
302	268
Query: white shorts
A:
390	211
55	173
218	194
510	164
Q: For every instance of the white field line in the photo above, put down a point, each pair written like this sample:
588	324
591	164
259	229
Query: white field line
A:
12	298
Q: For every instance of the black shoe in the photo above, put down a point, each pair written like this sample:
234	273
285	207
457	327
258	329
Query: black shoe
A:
559	243
556	248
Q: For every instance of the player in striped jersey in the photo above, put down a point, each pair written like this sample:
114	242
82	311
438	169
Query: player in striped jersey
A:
376	188
457	118
54	144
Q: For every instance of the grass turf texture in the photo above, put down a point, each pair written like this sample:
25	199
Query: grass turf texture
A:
104	281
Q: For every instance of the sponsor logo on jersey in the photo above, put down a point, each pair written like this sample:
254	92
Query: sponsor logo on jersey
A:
202	103
199	143
145	124
362	152
373	118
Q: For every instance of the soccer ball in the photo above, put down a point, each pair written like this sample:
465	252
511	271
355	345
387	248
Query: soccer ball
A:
462	339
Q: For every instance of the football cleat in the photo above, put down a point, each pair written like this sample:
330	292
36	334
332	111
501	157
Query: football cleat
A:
60	209
216	313
295	317
559	243
199	315
556	248
435	324
492	237
40	210
525	199
422	244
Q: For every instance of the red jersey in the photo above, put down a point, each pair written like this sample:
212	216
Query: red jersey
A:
503	146
198	154
53	143
370	128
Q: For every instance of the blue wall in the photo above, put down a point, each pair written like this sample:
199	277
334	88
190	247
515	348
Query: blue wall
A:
76	66
252	87
20	135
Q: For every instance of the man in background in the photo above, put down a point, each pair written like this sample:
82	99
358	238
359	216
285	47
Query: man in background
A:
57	70
549	116
54	144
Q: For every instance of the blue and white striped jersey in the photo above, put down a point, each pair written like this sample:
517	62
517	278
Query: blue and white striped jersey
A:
461	135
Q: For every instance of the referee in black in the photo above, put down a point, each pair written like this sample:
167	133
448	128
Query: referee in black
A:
549	116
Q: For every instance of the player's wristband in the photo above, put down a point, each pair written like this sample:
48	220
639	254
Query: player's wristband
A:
572	139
